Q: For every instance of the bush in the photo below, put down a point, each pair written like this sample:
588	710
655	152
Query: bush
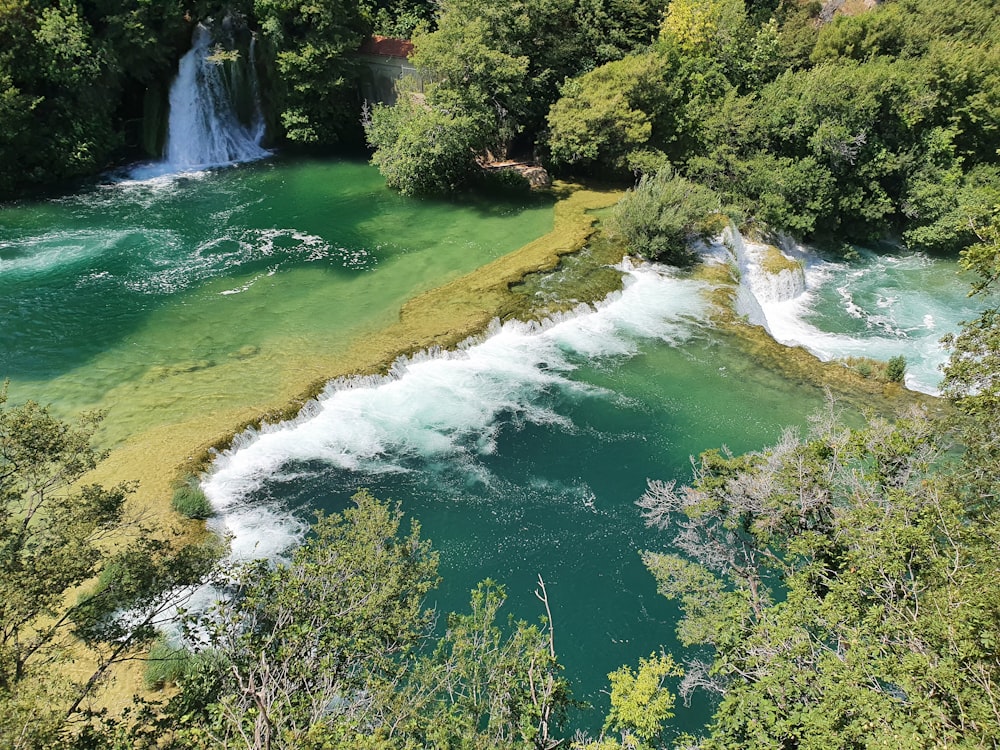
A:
191	502
662	215
864	368
895	368
882	372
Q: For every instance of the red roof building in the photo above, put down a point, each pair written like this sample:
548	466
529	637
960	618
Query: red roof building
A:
386	46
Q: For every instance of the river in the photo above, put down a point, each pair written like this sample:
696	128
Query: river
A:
168	299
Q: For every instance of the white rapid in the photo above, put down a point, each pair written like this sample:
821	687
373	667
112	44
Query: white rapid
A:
877	305
204	128
442	405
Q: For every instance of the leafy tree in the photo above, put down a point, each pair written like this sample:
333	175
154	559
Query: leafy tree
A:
420	149
703	26
608	114
52	73
315	642
818	573
662	215
972	374
311	44
611	29
499	63
483	688
54	533
640	704
325	651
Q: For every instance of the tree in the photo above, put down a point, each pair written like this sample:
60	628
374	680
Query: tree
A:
307	649
311	44
841	588
703	26
640	704
483	688
420	149
972	374
608	114
330	650
54	535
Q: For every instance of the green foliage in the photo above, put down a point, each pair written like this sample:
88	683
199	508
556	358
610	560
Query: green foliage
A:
662	215
610	29
484	688
496	63
325	652
419	149
166	665
311	44
891	371
607	114
189	500
640	704
816	572
887	128
53	538
972	375
703	26
70	75
299	639
500	66
895	369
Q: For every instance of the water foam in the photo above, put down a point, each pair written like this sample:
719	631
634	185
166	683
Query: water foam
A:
204	129
443	404
877	306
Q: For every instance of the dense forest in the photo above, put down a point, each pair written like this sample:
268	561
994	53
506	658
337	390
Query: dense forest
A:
839	589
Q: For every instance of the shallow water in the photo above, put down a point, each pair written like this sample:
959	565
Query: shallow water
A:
163	298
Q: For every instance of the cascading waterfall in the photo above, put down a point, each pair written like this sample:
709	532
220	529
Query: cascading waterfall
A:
876	306
760	287
204	127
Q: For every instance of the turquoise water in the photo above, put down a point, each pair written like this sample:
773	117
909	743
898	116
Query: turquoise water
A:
522	453
163	298
877	305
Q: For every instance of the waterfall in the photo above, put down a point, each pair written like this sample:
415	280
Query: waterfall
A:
204	128
768	277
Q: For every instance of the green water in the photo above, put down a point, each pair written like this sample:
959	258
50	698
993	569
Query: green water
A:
523	456
161	299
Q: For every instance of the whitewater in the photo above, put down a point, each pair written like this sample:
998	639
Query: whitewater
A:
875	305
443	405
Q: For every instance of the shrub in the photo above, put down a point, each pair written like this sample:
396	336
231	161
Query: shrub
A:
191	502
895	369
166	665
662	215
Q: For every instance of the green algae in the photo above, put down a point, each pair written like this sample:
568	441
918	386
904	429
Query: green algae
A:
773	261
